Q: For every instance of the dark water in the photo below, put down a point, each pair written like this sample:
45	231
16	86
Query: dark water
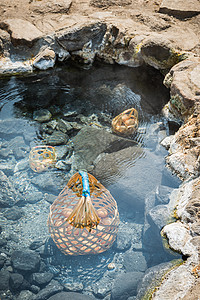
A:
131	174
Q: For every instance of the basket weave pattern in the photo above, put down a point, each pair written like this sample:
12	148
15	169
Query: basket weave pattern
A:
41	158
126	123
76	241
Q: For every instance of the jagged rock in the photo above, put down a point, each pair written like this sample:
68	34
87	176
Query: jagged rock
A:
180	8
158	52
183	80
22	32
178	283
8	66
179	238
8	195
74	39
45	59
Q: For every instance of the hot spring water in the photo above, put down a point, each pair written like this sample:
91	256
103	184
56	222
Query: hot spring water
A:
75	105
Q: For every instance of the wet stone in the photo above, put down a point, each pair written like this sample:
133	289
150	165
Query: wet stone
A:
162	194
56	138
123	240
8	194
14	213
27	261
16	281
3	241
42	115
4	280
2	260
134	261
41	279
125	285
47	181
25	295
34	197
73	287
52	288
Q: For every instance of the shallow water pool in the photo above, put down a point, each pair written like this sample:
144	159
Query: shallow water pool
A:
76	106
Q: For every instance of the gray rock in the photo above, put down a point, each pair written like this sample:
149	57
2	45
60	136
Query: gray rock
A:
134	261
4	280
159	216
123	240
162	194
56	138
42	115
70	296
74	39
3	241
13	213
16	281
16	146
25	295
14	126
41	279
90	142
52	288
47	181
8	195
125	285
25	261
34	197
2	260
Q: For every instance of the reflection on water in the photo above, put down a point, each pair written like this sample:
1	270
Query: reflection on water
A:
82	104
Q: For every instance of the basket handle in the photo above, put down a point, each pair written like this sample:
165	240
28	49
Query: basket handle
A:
85	183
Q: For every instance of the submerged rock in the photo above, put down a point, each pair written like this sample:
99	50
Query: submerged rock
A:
8	195
125	285
25	261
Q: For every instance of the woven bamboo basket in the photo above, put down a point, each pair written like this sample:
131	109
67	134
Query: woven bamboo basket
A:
42	158
81	241
126	123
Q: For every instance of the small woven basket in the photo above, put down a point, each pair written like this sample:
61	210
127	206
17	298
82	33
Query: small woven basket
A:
79	241
42	158
126	123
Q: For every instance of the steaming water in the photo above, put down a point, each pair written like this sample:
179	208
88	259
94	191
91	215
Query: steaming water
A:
131	174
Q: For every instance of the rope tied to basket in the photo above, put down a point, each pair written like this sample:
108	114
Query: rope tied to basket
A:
84	214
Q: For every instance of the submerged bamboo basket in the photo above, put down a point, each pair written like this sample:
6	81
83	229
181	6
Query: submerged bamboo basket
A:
42	158
72	240
126	123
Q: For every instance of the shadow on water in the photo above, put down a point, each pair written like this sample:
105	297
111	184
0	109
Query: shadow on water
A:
132	169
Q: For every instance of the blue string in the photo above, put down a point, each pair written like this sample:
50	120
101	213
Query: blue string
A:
85	182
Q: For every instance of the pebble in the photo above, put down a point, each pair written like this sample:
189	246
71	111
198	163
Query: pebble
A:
111	266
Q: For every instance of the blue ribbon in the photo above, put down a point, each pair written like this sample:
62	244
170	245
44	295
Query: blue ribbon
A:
85	182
